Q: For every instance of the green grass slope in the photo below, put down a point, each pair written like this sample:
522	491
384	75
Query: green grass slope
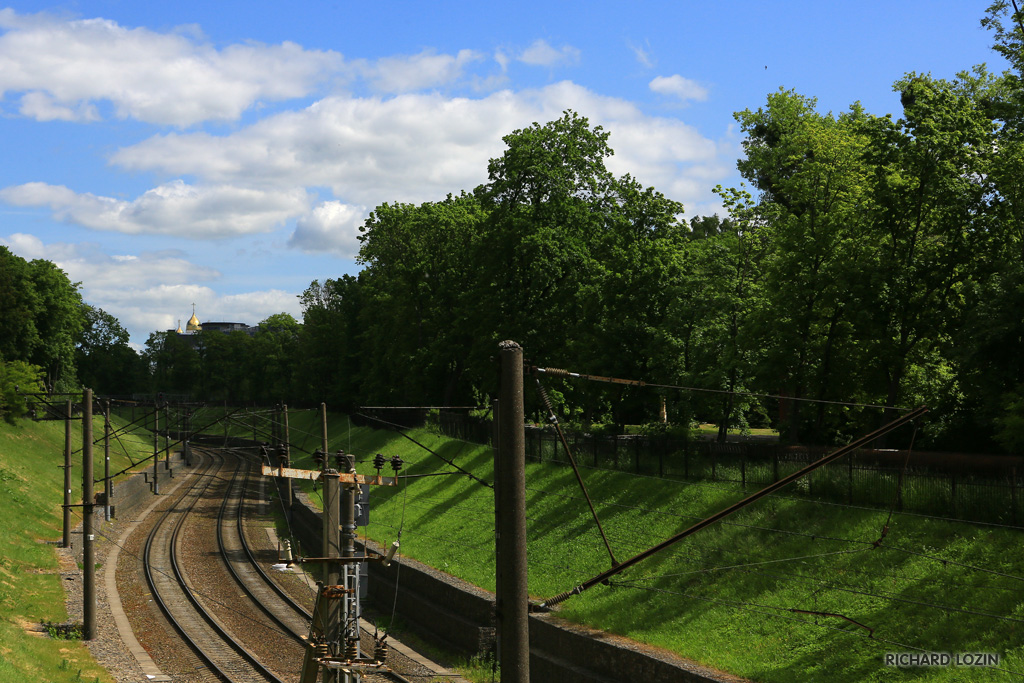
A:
788	590
31	481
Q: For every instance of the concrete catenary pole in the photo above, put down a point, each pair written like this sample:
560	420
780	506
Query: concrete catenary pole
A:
108	490
514	656
167	436
88	547
331	615
498	592
156	448
287	461
66	538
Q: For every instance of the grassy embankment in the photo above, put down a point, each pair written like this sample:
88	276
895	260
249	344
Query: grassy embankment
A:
724	597
30	507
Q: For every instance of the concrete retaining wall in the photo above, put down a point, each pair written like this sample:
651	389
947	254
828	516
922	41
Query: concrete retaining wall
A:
136	491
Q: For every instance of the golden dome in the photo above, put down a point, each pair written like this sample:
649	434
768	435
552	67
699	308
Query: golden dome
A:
193	324
178	331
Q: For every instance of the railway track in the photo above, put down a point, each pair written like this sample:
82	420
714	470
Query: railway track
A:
258	602
177	597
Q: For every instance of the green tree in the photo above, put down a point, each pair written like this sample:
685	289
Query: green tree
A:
419	266
273	358
548	197
19	304
17	378
806	229
930	217
106	362
329	341
40	317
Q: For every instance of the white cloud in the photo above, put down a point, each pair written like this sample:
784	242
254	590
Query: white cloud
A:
62	68
407	148
416	148
643	54
540	53
679	87
204	212
417	72
43	107
331	226
367	151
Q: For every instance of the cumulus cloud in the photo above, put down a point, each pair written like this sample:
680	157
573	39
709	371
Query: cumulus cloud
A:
681	88
414	147
63	68
331	226
540	53
175	208
425	70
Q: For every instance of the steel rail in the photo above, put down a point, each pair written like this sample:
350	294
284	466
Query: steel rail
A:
246	585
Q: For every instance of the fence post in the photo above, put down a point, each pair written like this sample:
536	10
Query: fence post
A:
952	488
686	459
849	481
661	457
1013	493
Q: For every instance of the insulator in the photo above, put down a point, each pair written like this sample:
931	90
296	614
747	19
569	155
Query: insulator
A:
352	650
282	453
390	554
339	459
318	457
378	462
556	372
396	463
380	651
544	397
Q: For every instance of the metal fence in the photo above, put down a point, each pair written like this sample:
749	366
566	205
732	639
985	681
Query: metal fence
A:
970	487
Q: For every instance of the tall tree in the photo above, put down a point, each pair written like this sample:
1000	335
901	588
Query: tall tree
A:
810	173
419	261
106	362
929	215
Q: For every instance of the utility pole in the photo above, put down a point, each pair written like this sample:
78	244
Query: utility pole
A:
88	549
108	490
66	539
349	631
510	488
167	436
156	448
495	441
287	462
333	643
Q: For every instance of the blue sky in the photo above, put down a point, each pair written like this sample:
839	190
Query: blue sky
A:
226	153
